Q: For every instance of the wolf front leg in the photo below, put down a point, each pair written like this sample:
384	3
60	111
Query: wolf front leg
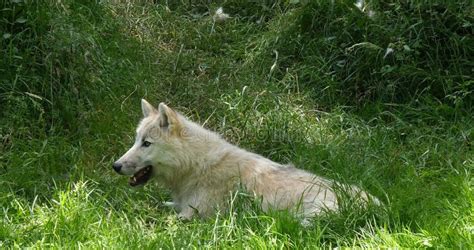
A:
198	203
203	210
186	213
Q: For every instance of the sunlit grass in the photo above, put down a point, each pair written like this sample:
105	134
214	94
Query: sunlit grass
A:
72	75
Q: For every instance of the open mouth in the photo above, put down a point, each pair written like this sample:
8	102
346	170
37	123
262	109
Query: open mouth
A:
141	177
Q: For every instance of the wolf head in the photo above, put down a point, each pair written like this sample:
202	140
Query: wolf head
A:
157	144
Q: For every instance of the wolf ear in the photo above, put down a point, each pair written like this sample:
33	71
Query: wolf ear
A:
147	108
167	116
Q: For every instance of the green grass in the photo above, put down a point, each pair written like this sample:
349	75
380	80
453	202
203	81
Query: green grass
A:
72	74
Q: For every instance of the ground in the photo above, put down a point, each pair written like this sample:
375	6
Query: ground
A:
383	101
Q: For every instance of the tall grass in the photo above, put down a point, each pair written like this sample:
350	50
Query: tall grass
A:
383	101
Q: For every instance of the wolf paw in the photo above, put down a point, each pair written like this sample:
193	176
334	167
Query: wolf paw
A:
184	217
169	204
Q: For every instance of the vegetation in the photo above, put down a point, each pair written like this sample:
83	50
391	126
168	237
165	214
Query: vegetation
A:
380	97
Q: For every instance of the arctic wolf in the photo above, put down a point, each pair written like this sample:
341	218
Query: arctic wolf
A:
201	169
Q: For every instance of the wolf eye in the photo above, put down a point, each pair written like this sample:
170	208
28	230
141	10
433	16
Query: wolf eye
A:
146	144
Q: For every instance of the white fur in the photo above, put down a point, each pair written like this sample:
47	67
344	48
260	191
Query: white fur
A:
201	169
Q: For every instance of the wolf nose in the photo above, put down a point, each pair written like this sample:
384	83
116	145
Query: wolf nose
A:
117	166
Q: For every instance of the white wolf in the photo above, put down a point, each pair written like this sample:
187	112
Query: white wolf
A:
201	169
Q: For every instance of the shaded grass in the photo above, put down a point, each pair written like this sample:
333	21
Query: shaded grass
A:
73	74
